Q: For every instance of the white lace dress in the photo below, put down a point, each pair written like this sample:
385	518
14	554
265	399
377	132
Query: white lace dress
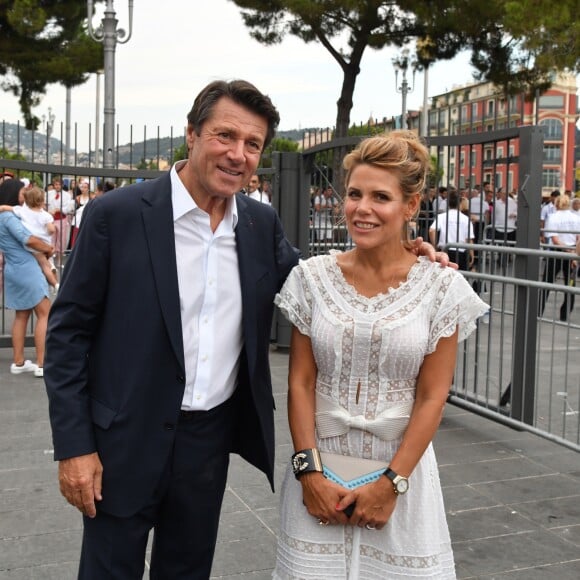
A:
381	342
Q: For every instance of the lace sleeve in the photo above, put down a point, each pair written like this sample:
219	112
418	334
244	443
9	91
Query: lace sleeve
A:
456	306
295	300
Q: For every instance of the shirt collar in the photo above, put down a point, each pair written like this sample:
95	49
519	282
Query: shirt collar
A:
183	203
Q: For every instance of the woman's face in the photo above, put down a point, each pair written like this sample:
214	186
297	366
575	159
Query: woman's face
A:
374	207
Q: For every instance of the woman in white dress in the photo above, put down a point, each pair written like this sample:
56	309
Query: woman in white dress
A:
374	341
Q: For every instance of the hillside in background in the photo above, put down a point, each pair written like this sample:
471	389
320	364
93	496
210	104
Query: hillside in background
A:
14	138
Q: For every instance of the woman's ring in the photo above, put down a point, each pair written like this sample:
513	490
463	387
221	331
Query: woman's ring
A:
321	523
369	527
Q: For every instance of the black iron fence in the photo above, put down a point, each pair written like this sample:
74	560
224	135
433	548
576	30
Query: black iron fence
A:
522	366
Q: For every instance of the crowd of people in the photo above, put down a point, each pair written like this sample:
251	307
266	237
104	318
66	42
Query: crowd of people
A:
35	234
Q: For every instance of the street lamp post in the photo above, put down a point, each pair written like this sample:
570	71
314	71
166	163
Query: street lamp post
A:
49	120
98	118
109	35
401	64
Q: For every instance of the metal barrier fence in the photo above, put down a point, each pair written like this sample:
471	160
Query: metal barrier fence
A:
522	365
531	352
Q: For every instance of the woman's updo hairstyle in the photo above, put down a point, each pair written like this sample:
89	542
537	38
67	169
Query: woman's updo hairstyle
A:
398	151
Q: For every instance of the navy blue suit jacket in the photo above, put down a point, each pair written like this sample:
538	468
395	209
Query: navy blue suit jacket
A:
114	367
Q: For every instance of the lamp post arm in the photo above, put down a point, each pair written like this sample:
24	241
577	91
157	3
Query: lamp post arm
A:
126	36
97	35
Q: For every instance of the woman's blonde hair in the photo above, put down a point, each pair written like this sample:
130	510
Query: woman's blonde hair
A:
399	151
34	197
562	202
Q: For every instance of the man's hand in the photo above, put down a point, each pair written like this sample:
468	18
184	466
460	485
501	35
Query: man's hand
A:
421	248
80	480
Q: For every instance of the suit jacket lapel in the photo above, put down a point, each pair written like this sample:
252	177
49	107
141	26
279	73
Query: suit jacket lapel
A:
247	252
157	215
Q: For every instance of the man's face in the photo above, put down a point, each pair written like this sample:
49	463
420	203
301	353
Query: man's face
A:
226	153
57	185
253	184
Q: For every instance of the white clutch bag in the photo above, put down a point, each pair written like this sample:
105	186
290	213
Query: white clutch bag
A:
351	472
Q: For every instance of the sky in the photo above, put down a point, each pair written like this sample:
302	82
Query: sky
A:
179	46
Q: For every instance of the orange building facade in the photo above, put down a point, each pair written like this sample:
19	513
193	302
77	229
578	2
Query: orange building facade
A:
482	107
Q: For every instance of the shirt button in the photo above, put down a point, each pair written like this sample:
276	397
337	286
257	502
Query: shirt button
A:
169	426
180	379
204	358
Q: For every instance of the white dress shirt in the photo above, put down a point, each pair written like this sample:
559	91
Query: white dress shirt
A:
566	227
260	196
210	299
453	227
500	208
61	201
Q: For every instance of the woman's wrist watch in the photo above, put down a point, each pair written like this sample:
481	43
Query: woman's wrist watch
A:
400	482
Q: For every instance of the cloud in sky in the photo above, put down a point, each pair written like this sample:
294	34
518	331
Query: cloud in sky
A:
178	46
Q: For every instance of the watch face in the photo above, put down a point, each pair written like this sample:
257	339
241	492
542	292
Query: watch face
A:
402	486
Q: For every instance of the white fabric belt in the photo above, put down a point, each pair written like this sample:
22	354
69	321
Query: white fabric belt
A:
333	420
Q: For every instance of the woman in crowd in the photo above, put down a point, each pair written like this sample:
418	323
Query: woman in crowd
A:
81	200
374	340
25	287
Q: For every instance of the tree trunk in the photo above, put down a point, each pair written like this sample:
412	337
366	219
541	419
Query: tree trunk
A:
343	109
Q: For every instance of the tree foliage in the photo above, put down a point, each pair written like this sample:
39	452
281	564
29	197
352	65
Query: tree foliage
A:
516	44
44	42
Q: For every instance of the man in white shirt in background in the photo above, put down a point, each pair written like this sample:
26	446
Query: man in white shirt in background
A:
563	227
452	227
255	190
546	211
61	205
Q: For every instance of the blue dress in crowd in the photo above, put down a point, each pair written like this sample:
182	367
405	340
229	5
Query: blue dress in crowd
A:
24	283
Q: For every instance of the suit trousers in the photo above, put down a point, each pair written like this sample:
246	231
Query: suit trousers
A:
184	514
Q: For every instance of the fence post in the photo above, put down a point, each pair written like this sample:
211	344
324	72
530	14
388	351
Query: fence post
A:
527	268
294	200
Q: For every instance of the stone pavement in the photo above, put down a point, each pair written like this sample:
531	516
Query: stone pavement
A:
513	499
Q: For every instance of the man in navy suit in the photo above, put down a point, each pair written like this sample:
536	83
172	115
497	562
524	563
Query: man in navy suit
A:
157	349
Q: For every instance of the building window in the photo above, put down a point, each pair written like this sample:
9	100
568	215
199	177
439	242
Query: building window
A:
498	180
474	111
464	113
461	181
462	159
512	150
552	129
488	154
473	158
499	153
551	178
432	119
487	178
490	108
551	102
451	171
552	154
513	104
510	181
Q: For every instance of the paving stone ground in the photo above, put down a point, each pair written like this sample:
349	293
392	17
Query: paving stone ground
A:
512	498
